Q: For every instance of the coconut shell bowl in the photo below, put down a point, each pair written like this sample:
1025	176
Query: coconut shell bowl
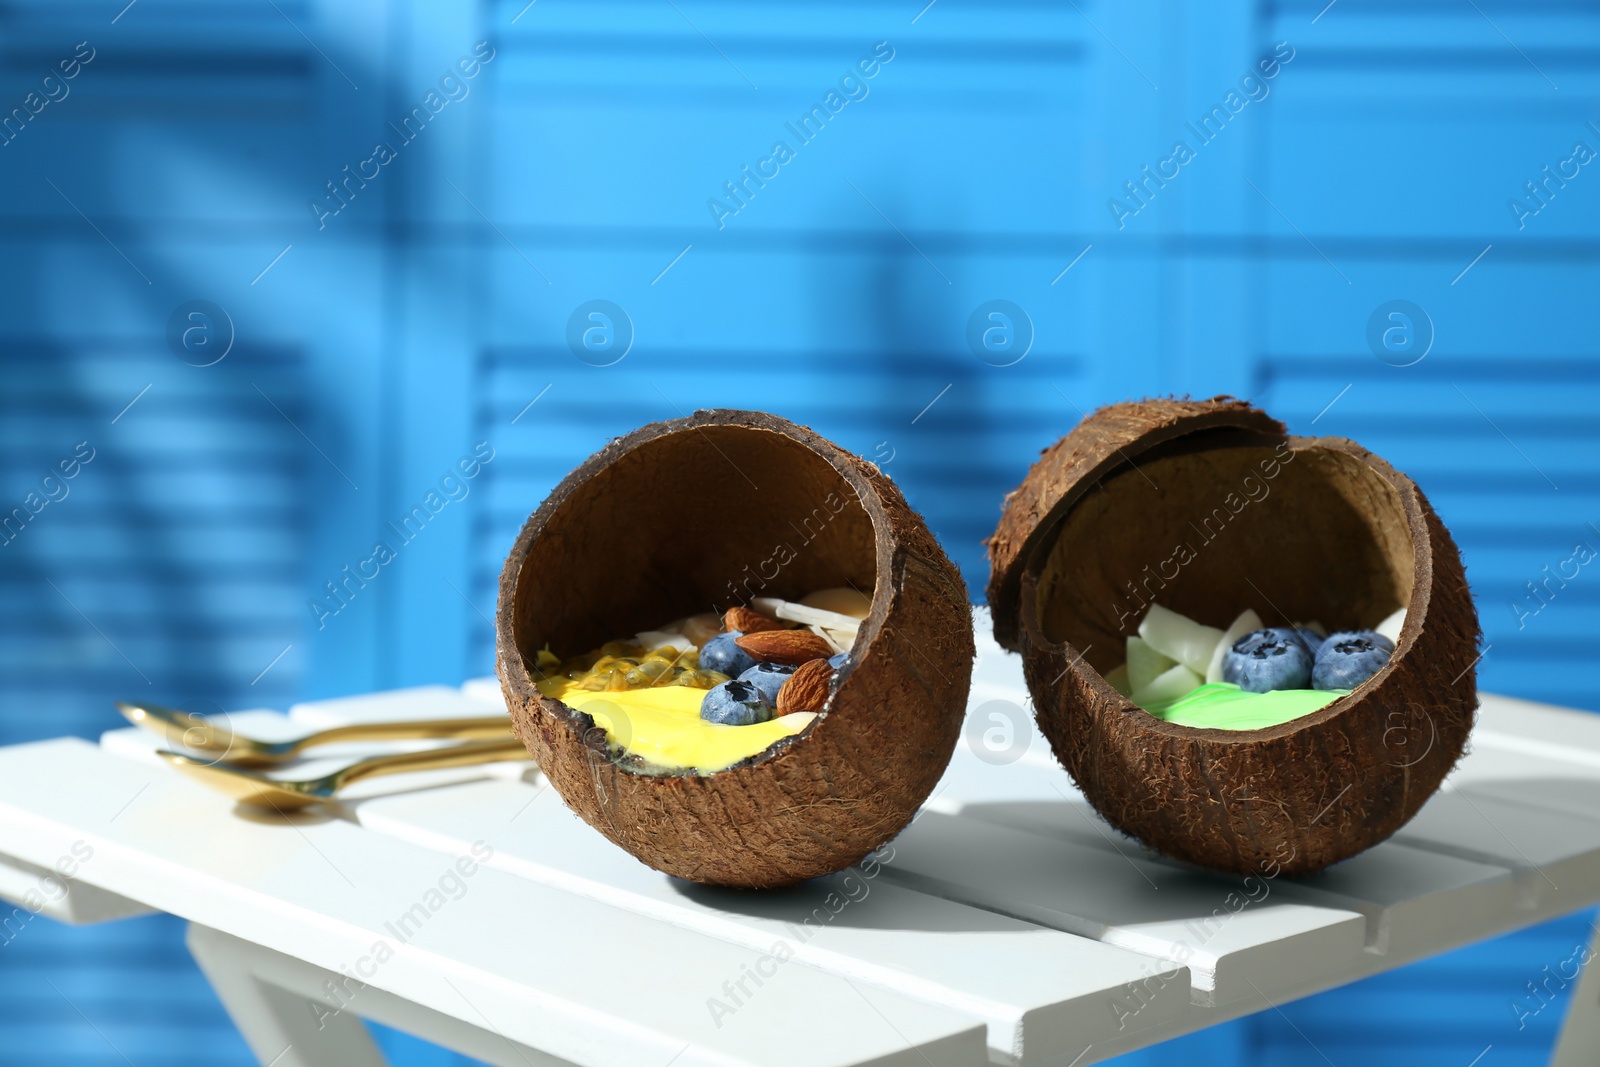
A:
703	514
1209	508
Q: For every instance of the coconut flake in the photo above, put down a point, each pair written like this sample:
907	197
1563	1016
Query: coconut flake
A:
1118	680
1145	663
793	612
830	637
697	628
1180	638
843	639
1247	622
842	599
654	639
1391	626
1169	685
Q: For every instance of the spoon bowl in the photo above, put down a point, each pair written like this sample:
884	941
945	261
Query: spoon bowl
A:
255	790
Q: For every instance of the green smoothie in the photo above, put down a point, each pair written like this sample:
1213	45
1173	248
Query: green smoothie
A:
1224	706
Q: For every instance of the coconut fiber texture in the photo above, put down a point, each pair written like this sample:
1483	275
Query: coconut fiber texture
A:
699	514
1210	507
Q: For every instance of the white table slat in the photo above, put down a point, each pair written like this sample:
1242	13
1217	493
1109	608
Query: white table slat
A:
485	691
1489	762
141	745
1009	924
419	702
42	890
970	783
1045	995
1517	748
1535	756
1231	949
574	976
1555	856
1575	796
1416	900
1413	900
422	702
1558	728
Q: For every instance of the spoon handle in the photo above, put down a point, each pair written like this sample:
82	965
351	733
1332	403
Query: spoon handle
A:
469	754
488	728
199	733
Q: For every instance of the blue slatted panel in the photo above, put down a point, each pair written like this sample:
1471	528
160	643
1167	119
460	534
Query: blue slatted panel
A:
1509	476
172	565
168	563
1446	1011
430	310
1394	144
837	293
1497	422
953	459
167	568
144	1000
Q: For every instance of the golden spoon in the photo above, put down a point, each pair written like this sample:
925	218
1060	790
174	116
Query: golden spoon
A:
248	787
205	735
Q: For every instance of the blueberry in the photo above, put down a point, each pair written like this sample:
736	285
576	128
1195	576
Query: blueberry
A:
1347	659
768	678
721	654
1266	660
735	703
838	660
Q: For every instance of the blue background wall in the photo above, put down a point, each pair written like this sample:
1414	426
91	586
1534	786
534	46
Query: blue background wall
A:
372	347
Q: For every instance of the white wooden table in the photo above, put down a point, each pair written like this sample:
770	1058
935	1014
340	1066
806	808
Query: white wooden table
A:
1008	924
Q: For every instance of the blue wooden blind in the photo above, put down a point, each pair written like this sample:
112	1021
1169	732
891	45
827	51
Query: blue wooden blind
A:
392	309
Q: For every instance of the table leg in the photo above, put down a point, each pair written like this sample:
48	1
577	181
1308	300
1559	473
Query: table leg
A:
272	999
296	1014
1578	1044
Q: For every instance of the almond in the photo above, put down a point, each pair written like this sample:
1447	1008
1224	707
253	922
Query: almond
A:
748	620
784	646
807	687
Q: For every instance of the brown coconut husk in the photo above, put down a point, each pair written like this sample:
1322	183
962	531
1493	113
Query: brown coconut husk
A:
1210	507
698	514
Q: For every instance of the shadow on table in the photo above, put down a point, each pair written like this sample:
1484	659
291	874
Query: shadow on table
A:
898	894
1497	822
849	899
1063	863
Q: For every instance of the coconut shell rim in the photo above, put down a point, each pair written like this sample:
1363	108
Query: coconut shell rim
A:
1219	413
862	770
520	677
1113	701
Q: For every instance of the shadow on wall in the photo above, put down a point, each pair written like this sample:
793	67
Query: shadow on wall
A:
935	408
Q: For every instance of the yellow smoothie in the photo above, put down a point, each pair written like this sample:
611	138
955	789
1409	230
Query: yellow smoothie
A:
662	725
